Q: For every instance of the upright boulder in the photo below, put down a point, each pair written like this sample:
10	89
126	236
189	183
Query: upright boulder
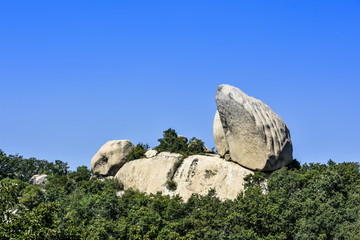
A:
111	157
250	132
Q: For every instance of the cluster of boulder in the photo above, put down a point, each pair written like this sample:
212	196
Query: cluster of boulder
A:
248	137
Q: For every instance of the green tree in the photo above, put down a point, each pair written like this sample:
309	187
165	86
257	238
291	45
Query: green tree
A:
138	152
171	142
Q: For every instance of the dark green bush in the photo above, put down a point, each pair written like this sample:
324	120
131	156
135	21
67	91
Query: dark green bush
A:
196	146
171	185
172	142
138	152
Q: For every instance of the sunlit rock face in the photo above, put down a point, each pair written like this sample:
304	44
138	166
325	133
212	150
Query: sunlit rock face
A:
111	157
39	179
149	175
248	135
197	174
249	131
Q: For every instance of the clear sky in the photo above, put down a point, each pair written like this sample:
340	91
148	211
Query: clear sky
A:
75	74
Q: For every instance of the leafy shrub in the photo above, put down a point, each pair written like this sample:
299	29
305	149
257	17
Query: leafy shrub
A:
138	152
196	146
172	142
171	185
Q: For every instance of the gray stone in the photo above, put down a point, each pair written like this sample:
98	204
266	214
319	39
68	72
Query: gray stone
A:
151	153
196	174
38	179
254	136
111	157
199	174
149	175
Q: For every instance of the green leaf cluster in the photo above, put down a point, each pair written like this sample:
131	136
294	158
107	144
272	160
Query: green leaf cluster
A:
138	152
172	142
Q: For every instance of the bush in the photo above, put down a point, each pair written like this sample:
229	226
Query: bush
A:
171	185
172	142
138	152
196	146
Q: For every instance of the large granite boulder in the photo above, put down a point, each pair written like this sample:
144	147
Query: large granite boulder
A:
199	174
196	174
111	157
149	175
250	132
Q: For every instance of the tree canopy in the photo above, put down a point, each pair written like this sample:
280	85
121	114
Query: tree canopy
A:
312	201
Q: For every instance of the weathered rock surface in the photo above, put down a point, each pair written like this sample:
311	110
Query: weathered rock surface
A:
221	144
149	175
111	157
151	153
196	174
199	174
255	136
38	179
247	134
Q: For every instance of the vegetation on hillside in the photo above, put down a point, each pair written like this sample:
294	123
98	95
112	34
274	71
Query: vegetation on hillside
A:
312	201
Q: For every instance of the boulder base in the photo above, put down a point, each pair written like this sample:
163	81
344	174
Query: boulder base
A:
196	174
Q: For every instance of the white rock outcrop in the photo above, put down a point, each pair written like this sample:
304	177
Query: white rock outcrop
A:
253	135
196	174
151	153
111	157
247	133
199	174
38	179
149	175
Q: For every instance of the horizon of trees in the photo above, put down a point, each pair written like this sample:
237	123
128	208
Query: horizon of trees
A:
311	201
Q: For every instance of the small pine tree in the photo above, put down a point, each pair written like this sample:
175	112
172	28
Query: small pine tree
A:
171	142
138	152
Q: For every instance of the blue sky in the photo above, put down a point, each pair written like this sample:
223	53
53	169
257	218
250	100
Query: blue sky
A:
75	74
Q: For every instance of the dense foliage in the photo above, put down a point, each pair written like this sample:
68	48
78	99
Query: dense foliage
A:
314	201
15	166
172	142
